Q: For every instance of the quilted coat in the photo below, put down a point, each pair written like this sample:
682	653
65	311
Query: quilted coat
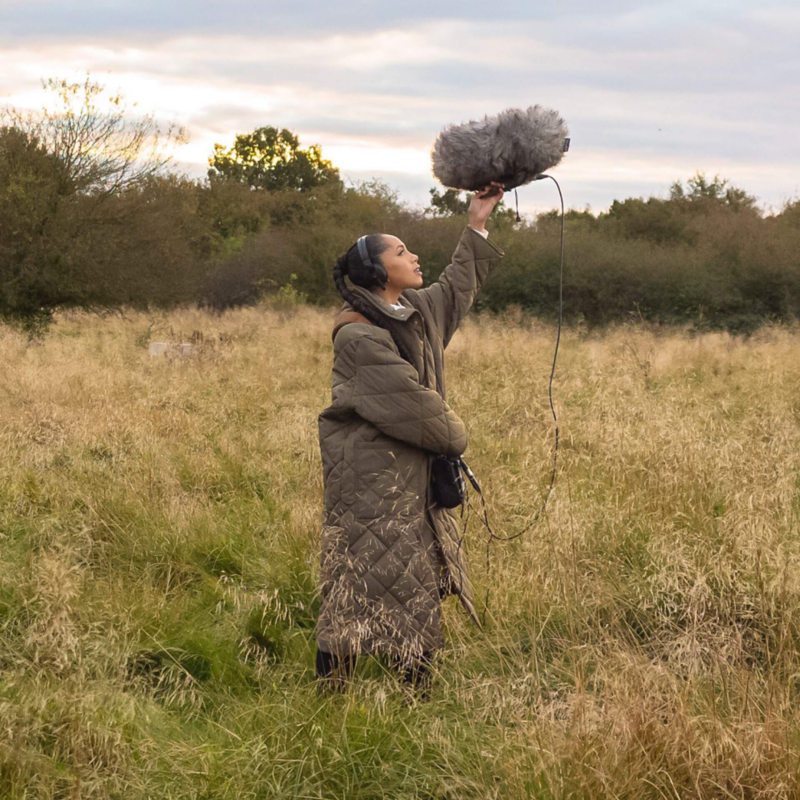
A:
389	553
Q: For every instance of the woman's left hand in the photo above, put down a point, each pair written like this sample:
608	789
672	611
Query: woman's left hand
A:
482	204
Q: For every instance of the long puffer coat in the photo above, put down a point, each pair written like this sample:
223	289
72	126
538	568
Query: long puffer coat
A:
389	552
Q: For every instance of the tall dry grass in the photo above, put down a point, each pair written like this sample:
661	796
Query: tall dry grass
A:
160	520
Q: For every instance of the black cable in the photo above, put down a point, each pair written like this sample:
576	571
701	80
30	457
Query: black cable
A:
492	535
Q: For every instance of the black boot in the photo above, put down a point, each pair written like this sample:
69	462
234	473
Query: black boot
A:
418	676
333	672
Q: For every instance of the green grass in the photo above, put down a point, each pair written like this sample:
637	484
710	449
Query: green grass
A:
159	523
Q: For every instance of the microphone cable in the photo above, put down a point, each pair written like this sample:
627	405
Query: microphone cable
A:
492	535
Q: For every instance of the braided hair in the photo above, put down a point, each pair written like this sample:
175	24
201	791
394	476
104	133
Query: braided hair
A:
350	264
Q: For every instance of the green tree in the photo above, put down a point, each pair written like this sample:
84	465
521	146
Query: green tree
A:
449	203
655	219
790	214
61	172
680	217
32	184
273	160
718	191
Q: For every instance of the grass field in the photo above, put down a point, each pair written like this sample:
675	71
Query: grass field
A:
159	524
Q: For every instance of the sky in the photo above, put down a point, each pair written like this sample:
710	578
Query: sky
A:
651	92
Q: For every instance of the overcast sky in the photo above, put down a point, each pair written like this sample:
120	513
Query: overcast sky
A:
651	92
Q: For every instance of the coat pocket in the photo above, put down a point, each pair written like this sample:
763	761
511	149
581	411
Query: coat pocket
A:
389	480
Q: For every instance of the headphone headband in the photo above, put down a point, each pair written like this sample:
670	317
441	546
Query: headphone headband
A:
362	251
378	272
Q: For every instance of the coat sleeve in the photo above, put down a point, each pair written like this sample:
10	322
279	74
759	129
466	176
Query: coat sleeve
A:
387	393
450	298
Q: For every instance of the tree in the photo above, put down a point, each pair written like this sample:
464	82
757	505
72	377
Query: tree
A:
655	219
717	191
32	184
449	203
272	160
790	214
104	151
60	172
678	218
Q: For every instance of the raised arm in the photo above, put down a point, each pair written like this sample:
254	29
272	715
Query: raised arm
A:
450	298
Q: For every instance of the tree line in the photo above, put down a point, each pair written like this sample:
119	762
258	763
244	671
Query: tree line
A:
94	217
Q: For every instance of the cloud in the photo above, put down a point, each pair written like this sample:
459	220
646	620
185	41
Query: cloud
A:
652	92
81	19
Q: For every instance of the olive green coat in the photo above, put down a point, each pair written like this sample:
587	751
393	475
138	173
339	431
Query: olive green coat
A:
389	552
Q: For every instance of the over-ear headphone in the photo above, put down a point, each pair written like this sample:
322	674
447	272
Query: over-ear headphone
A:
378	270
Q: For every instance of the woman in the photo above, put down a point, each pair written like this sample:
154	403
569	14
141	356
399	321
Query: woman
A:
389	552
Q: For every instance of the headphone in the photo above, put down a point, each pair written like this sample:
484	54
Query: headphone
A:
378	271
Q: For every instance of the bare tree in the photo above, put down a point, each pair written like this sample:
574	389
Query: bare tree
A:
73	180
104	148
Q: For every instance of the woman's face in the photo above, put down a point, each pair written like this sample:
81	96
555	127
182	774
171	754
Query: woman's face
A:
401	265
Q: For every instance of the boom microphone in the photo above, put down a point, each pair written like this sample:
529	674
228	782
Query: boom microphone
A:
513	148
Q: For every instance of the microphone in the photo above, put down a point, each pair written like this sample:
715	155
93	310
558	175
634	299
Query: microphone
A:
512	148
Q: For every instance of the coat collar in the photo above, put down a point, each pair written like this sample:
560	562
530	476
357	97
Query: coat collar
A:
400	314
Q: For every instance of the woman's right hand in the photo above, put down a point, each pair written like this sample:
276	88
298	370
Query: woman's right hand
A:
483	203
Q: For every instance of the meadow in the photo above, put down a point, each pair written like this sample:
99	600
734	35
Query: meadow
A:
159	535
